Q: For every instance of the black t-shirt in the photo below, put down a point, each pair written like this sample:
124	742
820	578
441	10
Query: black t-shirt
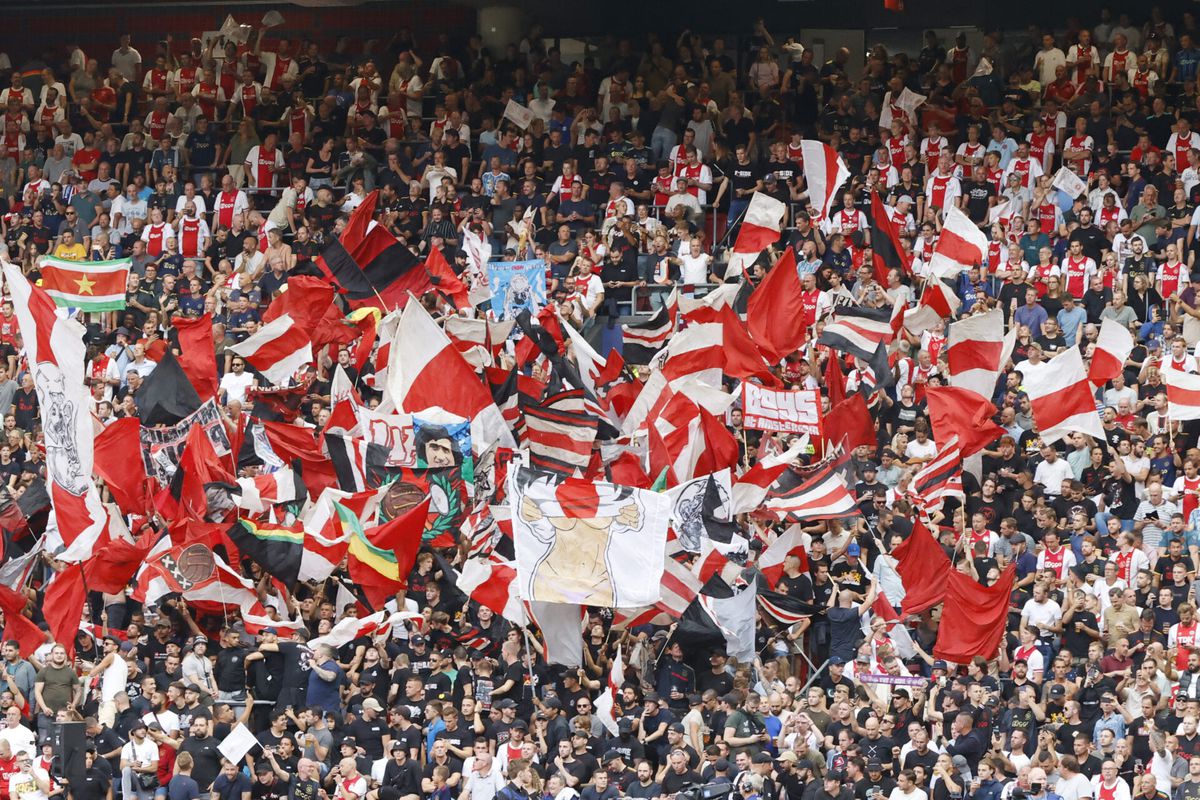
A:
206	758
673	781
275	790
978	195
369	735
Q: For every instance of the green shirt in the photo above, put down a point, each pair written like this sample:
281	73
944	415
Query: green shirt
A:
58	686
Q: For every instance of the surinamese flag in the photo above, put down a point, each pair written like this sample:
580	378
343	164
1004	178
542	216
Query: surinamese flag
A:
86	285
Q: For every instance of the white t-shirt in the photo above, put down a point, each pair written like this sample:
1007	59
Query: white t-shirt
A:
20	738
23	787
1077	787
694	269
915	449
235	385
916	794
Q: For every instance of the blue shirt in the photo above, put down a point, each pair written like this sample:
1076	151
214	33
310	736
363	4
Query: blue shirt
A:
1007	149
1115	723
1033	317
1070	322
323	693
1187	61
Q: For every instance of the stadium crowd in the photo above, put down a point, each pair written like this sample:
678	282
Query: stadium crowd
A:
221	169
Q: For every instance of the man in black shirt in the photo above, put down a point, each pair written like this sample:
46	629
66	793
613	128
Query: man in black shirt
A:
978	192
1089	235
206	759
230	671
401	776
370	730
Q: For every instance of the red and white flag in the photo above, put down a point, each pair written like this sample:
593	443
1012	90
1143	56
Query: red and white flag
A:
491	583
277	349
54	349
960	245
751	487
938	302
789	543
979	349
822	495
352	628
1183	393
258	494
760	229
679	588
1113	346
426	371
1062	397
824	174
940	478
606	703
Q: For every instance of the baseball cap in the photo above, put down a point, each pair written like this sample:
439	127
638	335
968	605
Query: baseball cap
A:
611	755
372	704
853	549
760	758
840	661
940	665
676	727
1058	690
505	703
874	765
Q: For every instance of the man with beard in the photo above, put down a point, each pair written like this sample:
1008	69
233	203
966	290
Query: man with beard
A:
201	745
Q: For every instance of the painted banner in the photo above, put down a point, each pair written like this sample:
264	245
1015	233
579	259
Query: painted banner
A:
517	286
587	542
162	446
795	411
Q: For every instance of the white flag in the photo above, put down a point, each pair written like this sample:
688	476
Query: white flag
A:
1068	182
521	116
239	742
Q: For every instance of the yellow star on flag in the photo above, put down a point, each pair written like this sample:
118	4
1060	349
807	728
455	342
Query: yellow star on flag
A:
85	286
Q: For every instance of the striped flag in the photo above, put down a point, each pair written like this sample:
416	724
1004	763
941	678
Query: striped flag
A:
643	340
760	228
1183	393
1062	397
859	331
978	351
277	349
1113	346
259	493
960	245
752	486
606	703
679	588
940	478
86	285
352	628
560	434
821	495
824	174
783	608
490	582
789	543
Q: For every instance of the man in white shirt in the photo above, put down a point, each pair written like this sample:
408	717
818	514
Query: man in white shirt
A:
1041	612
235	382
20	739
1051	473
906	787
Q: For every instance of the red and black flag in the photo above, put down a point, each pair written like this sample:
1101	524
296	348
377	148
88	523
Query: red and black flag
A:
370	265
885	241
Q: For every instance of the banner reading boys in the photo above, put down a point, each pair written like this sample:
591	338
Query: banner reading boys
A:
797	411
